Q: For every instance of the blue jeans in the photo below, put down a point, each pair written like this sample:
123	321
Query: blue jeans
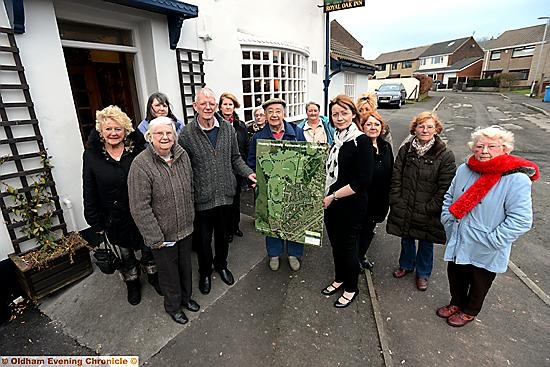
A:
423	259
275	247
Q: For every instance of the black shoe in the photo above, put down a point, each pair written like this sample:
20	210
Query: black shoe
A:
205	284
153	279
180	318
226	276
347	301
366	264
134	292
192	306
229	238
239	233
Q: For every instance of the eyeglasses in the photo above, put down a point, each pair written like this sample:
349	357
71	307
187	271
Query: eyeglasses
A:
342	114
207	104
425	127
162	134
490	147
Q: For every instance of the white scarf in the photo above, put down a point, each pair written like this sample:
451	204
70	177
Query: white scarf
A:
340	137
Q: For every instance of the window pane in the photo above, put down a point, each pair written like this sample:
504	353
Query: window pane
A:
256	55
246	86
256	69
245	71
246	55
266	71
257	85
265	55
247	101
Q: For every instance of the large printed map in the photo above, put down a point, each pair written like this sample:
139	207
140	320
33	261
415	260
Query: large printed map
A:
290	190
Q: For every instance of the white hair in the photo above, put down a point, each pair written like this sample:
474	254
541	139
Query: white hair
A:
493	132
162	120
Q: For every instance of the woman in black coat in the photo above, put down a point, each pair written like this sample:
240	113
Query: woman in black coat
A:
349	172
422	173
378	191
111	148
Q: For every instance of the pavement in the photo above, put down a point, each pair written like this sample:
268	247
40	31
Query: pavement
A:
280	318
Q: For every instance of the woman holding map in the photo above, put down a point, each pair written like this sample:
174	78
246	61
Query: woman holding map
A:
349	172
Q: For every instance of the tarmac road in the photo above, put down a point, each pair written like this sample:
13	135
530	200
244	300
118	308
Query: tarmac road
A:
281	319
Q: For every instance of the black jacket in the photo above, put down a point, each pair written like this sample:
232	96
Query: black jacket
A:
418	185
105	190
379	189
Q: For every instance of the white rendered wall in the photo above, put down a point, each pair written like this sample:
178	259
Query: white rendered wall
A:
296	22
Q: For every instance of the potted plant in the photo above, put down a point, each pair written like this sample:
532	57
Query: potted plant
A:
57	259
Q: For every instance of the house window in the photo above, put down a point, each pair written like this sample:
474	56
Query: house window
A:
437	60
382	67
406	64
522	74
491	73
313	67
523	51
394	66
273	73
495	55
350	81
423	62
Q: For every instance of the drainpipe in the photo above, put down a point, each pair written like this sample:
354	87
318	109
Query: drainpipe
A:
70	213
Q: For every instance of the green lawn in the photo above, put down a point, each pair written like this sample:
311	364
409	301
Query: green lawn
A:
521	91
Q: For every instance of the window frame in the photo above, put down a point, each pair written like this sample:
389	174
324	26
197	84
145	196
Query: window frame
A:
273	72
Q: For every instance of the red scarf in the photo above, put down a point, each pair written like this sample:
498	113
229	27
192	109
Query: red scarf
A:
491	171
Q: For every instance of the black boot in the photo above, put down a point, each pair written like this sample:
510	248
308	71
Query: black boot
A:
153	279
134	292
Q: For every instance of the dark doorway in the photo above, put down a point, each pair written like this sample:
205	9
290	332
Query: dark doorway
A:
100	78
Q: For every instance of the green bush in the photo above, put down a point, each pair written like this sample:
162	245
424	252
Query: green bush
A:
490	82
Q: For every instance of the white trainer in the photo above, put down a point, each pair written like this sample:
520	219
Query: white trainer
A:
294	263
274	263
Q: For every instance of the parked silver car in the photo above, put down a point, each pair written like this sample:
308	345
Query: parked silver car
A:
391	94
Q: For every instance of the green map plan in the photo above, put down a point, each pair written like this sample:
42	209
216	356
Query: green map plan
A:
290	190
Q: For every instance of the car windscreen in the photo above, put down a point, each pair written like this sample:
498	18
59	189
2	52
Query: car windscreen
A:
389	87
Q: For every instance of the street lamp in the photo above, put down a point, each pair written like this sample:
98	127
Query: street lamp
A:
540	55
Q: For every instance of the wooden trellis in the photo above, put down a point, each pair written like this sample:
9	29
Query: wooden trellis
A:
21	144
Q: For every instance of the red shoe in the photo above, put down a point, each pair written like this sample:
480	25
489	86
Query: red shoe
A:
400	273
460	319
422	284
447	311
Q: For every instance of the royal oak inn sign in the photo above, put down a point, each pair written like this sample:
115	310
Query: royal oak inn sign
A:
334	5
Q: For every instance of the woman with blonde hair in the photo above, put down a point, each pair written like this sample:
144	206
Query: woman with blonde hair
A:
422	173
366	104
111	148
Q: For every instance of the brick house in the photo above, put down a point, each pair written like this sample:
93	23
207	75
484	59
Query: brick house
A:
517	51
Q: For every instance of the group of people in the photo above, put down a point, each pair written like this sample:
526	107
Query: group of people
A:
168	192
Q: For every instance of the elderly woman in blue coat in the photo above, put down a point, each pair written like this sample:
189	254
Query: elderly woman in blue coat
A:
487	207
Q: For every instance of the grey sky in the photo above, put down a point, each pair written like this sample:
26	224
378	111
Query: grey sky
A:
384	26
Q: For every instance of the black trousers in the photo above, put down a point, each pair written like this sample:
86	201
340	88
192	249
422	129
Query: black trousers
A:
365	237
175	275
343	233
469	285
236	207
216	221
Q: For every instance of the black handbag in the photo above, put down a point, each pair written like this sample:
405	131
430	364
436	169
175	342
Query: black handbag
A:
107	257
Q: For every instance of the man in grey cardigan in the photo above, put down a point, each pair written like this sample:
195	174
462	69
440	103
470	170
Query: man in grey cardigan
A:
214	153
